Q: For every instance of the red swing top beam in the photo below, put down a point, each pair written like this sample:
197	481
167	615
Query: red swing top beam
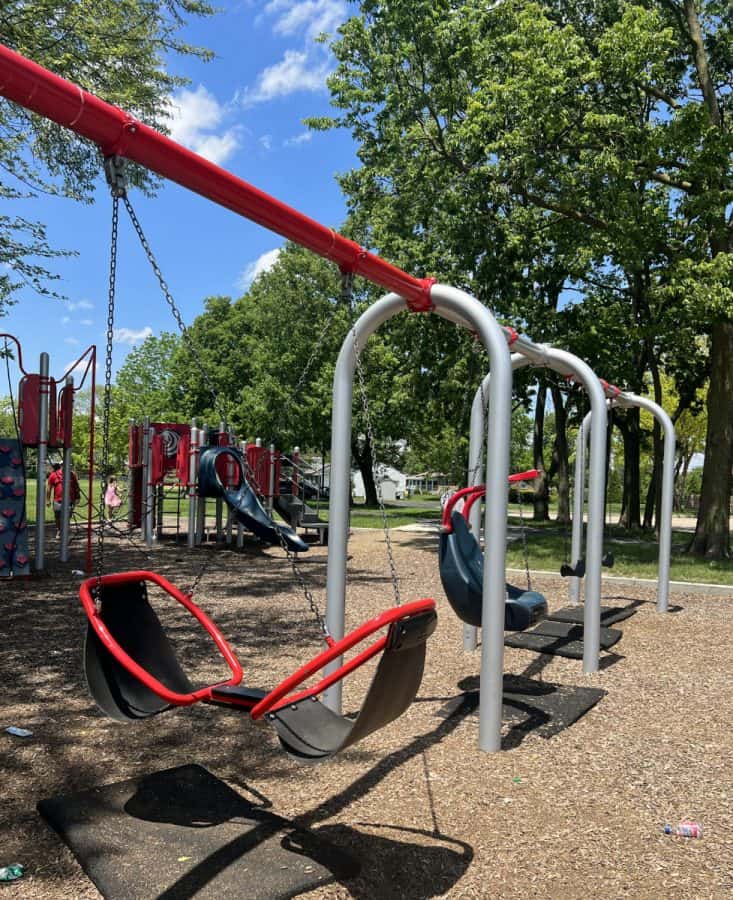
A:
117	133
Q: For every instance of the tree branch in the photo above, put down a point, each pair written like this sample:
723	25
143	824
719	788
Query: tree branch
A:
566	212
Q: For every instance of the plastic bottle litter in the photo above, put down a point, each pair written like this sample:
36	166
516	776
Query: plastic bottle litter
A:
18	732
684	829
12	872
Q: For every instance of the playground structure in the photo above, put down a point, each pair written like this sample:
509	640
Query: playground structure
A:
249	480
43	420
119	135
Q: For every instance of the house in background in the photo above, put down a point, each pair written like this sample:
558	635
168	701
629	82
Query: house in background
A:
391	481
427	483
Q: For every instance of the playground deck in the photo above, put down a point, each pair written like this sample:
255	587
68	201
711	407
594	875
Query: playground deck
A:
426	813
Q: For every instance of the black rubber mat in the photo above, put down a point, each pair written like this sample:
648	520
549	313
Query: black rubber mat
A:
529	705
609	614
558	639
182	833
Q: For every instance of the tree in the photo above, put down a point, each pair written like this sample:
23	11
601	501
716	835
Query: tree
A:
473	117
117	49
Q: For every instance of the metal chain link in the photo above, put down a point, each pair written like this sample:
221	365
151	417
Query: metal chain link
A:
525	548
292	559
347	291
185	332
107	403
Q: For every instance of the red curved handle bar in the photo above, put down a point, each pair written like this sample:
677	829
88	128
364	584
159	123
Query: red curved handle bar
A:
157	687
480	490
280	696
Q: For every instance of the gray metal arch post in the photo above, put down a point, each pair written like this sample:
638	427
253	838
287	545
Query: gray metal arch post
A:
626	399
538	355
456	305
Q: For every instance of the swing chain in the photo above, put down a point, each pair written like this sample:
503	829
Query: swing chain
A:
523	531
107	403
347	291
185	332
292	559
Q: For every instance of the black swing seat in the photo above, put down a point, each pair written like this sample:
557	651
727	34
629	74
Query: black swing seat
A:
242	500
462	574
308	730
134	624
311	732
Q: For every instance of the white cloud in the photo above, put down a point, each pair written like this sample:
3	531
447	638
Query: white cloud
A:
86	322
262	264
65	320
71	340
130	336
296	71
302	138
301	69
71	305
193	118
266	141
310	16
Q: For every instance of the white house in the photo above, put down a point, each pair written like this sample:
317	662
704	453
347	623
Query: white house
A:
391	481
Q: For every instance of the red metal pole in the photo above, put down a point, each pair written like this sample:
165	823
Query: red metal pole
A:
118	133
91	460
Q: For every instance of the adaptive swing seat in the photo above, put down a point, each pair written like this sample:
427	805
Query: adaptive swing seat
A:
133	673
462	572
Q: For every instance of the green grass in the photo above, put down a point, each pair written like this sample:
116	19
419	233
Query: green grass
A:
371	517
634	556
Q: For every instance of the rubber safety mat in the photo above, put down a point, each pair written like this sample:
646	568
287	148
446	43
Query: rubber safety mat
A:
182	833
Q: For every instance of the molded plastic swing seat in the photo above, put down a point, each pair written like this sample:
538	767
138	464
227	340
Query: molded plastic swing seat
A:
242	500
132	670
311	732
462	574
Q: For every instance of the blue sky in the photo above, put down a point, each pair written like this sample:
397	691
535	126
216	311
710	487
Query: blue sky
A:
243	110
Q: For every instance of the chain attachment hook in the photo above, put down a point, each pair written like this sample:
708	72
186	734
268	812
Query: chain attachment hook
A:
114	172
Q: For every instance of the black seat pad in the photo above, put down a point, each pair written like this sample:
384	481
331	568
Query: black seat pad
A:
311	732
135	626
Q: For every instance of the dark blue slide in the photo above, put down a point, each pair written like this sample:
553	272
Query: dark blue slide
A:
242	500
462	574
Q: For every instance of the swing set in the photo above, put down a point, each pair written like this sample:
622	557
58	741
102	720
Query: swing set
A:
134	688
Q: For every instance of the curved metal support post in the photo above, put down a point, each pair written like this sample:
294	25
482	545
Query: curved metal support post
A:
596	500
476	467
665	513
568	364
626	399
452	303
576	544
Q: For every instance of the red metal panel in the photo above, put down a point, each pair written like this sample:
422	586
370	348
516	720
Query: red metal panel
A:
29	397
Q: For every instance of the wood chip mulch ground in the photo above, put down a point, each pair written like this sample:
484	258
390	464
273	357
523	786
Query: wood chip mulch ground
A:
426	813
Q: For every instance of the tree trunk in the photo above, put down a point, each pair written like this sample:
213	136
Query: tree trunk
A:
630	505
541	493
363	456
560	463
653	504
712	534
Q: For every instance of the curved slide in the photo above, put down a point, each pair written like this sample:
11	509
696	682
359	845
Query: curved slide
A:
242	500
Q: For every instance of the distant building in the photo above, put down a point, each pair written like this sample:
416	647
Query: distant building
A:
391	481
428	483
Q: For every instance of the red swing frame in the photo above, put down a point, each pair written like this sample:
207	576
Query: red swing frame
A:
279	696
473	493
